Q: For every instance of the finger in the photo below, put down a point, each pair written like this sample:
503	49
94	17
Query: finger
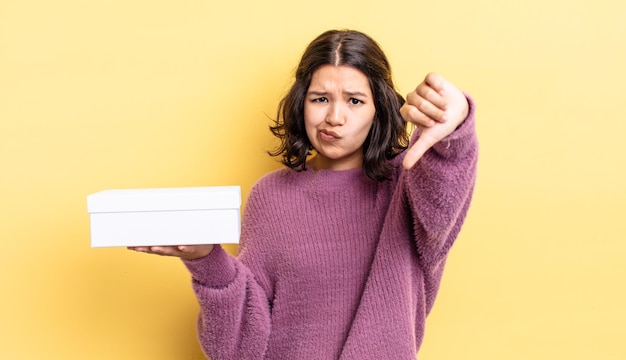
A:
165	250
436	82
434	89
186	249
415	152
424	114
427	99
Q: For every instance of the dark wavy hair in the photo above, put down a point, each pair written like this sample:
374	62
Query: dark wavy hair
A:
388	136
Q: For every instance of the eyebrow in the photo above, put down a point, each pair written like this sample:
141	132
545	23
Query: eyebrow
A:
322	92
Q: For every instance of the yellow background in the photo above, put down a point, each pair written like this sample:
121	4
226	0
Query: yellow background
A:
126	94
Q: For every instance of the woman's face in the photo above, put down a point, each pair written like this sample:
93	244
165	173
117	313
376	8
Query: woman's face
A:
338	114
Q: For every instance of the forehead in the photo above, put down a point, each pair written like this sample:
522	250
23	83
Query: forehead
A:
341	77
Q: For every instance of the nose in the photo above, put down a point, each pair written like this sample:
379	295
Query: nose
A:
336	115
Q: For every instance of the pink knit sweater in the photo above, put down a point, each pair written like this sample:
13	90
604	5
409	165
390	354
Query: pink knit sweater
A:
334	265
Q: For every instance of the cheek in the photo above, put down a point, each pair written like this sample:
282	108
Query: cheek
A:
311	119
367	125
365	131
311	116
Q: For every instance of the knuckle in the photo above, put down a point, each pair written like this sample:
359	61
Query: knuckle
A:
411	97
412	113
423	106
432	95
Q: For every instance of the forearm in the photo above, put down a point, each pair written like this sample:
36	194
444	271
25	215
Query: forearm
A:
234	311
439	189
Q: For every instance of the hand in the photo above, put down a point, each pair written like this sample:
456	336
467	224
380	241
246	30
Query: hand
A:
187	252
437	108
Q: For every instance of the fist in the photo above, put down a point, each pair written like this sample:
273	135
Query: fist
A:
437	108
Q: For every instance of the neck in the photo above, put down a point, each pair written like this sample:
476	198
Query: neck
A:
318	162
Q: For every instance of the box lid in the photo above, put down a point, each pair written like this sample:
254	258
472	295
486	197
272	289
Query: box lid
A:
165	199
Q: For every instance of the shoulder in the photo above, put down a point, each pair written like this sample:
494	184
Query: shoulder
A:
275	193
275	182
277	178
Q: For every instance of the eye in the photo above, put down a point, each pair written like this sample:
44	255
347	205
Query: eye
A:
355	101
320	99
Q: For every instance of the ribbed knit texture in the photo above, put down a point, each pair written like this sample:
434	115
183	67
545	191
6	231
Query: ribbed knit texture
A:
334	265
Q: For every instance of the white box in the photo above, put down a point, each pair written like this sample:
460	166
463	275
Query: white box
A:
168	216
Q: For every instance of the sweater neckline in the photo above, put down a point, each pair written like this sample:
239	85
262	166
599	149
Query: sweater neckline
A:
330	172
338	179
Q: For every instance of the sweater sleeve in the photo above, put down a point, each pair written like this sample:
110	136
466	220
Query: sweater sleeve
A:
439	190
234	320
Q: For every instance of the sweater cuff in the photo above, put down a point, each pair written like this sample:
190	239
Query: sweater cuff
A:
215	270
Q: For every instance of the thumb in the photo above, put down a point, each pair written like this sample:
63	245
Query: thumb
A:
415	152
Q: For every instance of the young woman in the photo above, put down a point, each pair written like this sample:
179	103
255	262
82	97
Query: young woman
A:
342	251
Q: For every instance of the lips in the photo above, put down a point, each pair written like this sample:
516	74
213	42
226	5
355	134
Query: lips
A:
329	135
